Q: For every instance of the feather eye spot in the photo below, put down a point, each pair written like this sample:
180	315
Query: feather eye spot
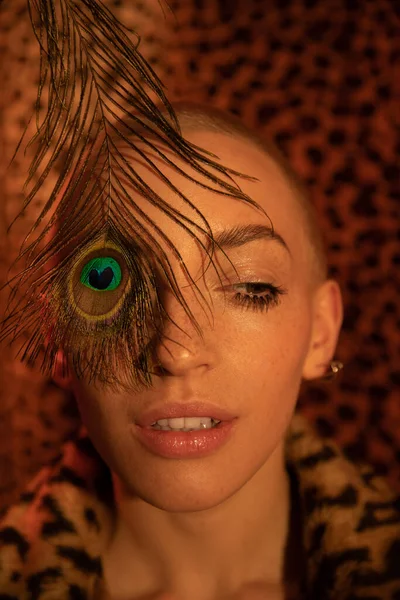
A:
97	285
101	274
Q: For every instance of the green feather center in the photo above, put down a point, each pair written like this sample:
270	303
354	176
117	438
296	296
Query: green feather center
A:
102	274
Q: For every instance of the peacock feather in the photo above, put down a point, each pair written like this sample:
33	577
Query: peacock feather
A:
90	263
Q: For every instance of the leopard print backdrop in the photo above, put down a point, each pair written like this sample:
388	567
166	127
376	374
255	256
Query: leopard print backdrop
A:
322	79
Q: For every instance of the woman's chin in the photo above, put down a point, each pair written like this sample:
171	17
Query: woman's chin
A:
179	496
188	504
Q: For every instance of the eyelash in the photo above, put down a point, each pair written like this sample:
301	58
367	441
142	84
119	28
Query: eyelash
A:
271	296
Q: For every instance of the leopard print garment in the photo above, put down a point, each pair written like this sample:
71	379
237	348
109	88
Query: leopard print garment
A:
321	78
52	541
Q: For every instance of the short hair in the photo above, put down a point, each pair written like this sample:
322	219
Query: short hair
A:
192	117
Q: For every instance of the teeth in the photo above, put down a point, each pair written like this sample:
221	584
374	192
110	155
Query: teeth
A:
185	423
175	423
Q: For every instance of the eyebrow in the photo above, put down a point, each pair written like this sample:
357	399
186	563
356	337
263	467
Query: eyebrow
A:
244	234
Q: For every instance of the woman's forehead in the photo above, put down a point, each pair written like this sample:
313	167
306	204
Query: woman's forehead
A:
277	198
270	188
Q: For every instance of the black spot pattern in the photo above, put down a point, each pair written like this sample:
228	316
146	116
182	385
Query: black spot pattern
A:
310	462
59	524
66	475
12	537
77	593
91	518
347	498
36	582
81	559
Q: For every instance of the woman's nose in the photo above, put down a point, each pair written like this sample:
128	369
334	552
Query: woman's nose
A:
186	341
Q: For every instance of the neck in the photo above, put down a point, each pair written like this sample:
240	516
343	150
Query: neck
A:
241	540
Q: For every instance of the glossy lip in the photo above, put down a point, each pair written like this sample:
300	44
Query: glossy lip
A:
194	409
184	444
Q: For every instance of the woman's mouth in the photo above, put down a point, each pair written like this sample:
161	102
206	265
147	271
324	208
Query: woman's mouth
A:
204	437
185	424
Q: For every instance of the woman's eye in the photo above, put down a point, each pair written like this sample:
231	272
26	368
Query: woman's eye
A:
102	274
256	295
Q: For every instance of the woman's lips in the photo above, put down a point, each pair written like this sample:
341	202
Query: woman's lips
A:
175	410
185	444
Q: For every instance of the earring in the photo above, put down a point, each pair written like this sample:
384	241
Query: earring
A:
335	366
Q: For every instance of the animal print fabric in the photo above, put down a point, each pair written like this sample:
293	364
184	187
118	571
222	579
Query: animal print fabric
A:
322	79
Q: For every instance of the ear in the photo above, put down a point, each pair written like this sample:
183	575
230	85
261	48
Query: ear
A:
327	320
61	372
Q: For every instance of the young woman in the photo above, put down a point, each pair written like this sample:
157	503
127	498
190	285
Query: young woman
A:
196	481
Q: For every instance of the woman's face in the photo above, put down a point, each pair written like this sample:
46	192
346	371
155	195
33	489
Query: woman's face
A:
252	352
